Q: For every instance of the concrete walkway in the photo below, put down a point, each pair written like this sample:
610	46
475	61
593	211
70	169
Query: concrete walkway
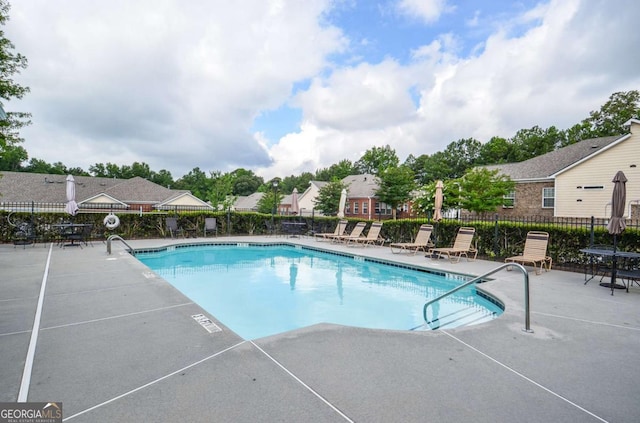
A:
114	342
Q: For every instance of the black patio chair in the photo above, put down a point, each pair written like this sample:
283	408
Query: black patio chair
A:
210	225
173	228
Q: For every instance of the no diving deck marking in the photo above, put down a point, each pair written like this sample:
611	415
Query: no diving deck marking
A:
206	323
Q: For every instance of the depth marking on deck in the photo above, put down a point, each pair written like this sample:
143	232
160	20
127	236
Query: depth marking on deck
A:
31	352
206	323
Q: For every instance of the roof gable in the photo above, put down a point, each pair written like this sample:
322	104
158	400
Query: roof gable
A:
183	199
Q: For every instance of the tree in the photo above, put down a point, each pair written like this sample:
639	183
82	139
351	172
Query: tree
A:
578	132
533	142
483	190
11	157
424	202
495	151
396	186
245	182
57	168
461	155
609	120
272	197
299	182
11	63
328	199
197	182
109	170
163	177
340	170
221	194
431	168
377	159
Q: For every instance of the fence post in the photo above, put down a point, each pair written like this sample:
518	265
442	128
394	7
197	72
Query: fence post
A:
592	235
496	234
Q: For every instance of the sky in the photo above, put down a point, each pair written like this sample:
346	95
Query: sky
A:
282	87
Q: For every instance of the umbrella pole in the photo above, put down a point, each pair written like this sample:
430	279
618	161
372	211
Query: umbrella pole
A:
614	264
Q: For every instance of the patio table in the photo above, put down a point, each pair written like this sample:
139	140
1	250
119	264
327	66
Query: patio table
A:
70	232
293	229
622	273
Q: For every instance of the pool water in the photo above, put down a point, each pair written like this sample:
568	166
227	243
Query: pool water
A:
258	291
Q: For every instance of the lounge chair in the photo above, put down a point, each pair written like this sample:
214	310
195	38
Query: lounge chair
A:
461	247
535	252
421	242
342	225
356	233
373	236
210	225
173	228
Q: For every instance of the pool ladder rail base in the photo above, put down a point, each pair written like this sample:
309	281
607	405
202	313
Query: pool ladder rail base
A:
435	324
117	238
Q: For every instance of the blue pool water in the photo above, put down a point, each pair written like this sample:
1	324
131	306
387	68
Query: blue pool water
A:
258	291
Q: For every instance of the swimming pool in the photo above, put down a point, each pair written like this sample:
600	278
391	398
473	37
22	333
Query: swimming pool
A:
261	290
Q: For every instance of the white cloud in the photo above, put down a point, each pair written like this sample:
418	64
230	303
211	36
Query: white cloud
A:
551	66
426	10
179	84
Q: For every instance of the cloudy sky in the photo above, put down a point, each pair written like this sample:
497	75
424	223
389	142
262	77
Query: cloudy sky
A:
287	86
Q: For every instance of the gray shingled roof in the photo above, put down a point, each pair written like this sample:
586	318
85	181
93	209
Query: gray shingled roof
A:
546	165
361	186
248	202
44	188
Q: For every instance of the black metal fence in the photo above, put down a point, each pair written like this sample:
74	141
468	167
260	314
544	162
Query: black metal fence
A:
496	237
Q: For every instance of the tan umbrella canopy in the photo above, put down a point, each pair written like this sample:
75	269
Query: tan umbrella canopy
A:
343	202
437	208
295	208
617	224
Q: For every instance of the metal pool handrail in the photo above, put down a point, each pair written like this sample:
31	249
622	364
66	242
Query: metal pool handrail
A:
117	238
527	326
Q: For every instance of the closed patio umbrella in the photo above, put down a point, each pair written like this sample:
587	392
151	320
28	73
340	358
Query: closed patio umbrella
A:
72	206
295	208
437	208
617	224
342	204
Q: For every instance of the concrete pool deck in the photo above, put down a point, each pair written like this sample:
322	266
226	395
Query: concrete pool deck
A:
117	343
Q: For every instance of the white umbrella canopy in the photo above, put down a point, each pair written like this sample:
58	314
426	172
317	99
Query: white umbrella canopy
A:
72	206
342	204
437	208
295	207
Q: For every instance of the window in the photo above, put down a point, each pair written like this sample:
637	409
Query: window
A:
509	200
365	207
382	208
548	198
355	207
